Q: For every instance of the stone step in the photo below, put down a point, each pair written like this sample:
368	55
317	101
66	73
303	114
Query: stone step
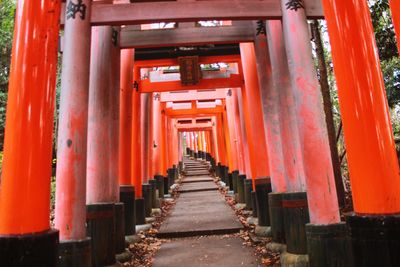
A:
213	251
197	187
200	213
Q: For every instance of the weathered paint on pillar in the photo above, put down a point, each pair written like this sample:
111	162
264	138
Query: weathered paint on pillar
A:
243	132
230	110
175	143
321	188
395	9
252	105
227	138
270	98
238	129
156	144
150	144
215	139
114	92
136	137
180	146
294	180
99	188
164	157
222	152
144	128
125	125
70	207
372	160
25	181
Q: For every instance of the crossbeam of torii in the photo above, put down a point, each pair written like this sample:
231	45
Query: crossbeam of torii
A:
150	12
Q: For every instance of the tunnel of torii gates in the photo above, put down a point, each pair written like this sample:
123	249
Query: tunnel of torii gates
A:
125	125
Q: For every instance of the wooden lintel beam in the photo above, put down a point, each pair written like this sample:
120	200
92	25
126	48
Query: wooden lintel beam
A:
194	129
235	81
174	62
193	95
132	38
179	113
150	12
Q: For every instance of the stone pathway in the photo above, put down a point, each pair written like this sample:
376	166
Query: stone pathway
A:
201	225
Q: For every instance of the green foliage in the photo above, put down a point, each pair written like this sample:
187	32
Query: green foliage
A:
7	10
387	47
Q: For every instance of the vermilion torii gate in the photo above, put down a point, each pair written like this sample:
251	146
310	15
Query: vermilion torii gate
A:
116	137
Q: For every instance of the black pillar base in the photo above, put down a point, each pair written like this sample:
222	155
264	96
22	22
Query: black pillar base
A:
119	228
140	213
375	240
240	186
254	204
328	245
148	200
153	184
100	228
160	185
218	170
276	217
226	178
166	185
75	253
295	217
127	196
248	187
263	188
171	176
230	181
39	249
235	175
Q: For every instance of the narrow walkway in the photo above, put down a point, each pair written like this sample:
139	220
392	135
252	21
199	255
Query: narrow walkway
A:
199	226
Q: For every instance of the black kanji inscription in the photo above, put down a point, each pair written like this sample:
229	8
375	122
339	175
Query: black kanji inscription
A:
261	28
114	37
136	86
73	9
294	5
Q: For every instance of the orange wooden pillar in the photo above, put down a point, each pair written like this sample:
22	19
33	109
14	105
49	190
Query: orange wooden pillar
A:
138	100
175	143
169	143
70	206
145	135
215	140
243	133
114	99
150	145
291	147
181	146
188	140
136	158
256	142
25	181
372	160
227	134
156	122
164	156
101	193
230	114
125	127
127	190
221	141
321	194
270	97
238	123
395	9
